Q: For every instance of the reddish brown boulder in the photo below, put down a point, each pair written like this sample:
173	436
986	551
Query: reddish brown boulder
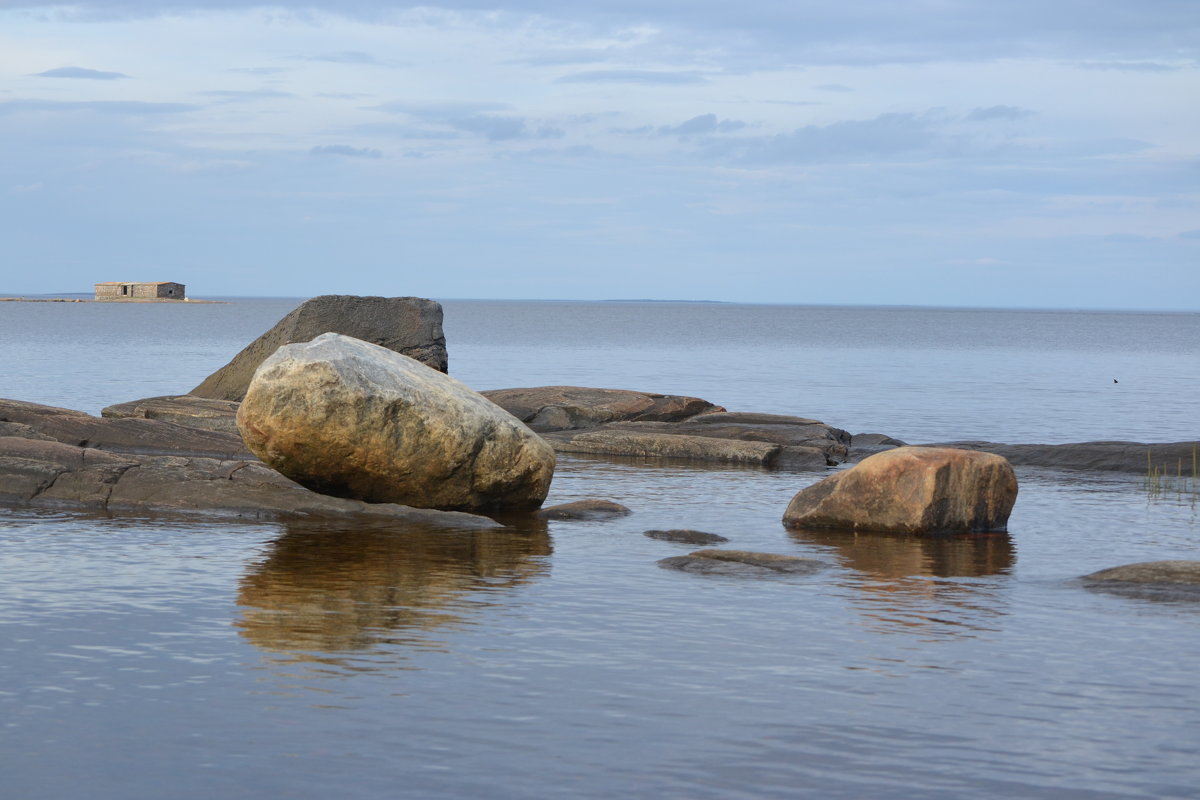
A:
912	490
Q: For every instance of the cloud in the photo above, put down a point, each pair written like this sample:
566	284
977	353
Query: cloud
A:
245	96
81	72
1129	66
474	118
346	150
703	124
495	128
638	76
885	135
1127	238
1192	234
344	57
115	107
997	112
259	70
834	87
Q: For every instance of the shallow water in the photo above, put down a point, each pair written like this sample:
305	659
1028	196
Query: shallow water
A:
242	660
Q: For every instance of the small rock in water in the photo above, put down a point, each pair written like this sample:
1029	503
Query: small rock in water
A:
741	562
684	536
584	509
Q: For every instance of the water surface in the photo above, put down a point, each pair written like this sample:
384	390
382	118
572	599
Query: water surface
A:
237	660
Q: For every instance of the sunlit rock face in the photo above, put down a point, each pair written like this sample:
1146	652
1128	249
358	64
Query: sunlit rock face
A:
912	490
351	419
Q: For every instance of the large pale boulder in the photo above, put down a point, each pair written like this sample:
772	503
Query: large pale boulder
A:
911	490
352	419
408	325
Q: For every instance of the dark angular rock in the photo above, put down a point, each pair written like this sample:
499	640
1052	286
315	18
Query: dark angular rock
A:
584	510
741	563
685	536
408	325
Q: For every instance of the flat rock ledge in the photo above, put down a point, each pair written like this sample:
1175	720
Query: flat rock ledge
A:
742	563
686	536
584	510
556	408
1137	457
188	410
763	440
1154	580
57	458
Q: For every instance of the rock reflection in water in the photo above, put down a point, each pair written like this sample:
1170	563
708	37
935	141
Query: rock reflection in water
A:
905	581
323	593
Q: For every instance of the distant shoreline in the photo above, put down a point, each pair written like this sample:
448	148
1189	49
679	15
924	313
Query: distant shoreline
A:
188	301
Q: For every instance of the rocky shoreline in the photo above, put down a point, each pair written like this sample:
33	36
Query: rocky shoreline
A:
204	452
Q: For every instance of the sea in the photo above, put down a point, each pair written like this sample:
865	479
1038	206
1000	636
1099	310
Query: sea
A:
191	657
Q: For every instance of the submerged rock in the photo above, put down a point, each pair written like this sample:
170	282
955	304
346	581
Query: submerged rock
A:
1151	580
408	325
685	536
555	408
911	490
741	562
584	510
1183	572
352	419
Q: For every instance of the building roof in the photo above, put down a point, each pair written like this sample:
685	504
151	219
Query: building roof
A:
144	283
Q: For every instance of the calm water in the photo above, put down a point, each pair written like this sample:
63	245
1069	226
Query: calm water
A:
143	658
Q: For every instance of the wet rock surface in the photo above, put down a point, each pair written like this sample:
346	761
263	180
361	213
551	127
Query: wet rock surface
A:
686	536
352	419
742	563
584	510
408	325
911	490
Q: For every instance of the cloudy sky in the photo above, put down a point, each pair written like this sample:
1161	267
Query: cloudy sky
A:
931	152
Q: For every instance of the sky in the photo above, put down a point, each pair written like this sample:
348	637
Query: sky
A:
870	152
